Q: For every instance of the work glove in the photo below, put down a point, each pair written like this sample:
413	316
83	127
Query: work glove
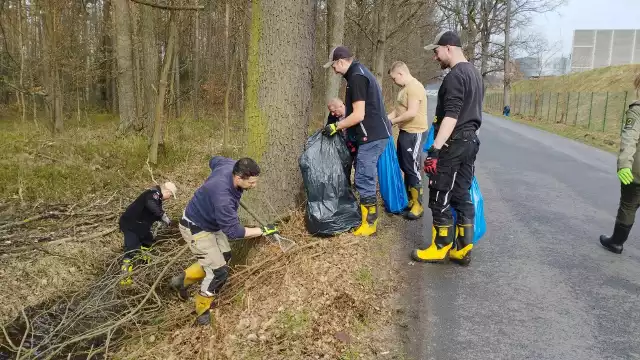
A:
431	162
330	130
269	230
625	176
166	220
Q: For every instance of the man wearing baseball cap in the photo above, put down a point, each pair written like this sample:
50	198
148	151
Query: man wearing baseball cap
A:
450	160
366	119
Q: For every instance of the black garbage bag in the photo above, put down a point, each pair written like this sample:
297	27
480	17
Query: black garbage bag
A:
332	207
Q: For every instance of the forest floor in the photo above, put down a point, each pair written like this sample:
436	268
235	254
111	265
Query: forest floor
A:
331	298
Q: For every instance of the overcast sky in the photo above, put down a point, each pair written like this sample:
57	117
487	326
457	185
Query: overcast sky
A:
587	14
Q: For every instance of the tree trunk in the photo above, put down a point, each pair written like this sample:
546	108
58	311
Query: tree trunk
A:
107	53
150	55
335	37
507	65
225	136
139	121
21	30
126	86
278	108
162	87
52	75
196	74
381	43
227	12
176	76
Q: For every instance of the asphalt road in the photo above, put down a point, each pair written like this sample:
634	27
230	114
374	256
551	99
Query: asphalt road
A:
539	286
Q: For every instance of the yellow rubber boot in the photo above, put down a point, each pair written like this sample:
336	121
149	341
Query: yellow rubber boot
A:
203	308
461	253
126	270
369	220
441	242
191	275
416	210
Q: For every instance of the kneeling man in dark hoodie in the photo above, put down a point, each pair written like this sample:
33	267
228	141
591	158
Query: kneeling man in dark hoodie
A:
209	222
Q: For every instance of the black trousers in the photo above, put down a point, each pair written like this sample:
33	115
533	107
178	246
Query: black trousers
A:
409	148
629	203
449	187
134	239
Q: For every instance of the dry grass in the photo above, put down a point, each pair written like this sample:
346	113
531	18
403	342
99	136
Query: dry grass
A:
612	79
329	300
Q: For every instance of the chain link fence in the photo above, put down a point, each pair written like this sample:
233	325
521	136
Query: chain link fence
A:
594	111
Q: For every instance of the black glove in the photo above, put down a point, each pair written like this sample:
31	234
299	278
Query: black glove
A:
431	162
330	130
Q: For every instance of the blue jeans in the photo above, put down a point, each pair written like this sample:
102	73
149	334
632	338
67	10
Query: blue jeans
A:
366	179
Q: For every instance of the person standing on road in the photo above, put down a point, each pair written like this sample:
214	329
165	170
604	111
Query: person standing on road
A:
209	221
366	114
629	175
135	224
410	114
451	159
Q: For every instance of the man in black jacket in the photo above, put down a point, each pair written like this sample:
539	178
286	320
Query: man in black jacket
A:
136	221
366	118
451	159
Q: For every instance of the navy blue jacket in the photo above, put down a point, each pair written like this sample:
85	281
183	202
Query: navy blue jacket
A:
142	212
214	206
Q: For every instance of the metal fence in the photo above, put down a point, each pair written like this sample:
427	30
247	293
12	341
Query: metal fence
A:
595	111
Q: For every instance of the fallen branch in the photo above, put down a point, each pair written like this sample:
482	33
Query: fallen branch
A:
168	7
86	238
25	221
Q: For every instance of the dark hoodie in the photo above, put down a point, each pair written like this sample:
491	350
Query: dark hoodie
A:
214	206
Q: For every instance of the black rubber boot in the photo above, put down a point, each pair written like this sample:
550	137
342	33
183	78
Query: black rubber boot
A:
461	254
620	235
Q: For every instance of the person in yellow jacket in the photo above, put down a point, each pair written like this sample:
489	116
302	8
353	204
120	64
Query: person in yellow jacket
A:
629	175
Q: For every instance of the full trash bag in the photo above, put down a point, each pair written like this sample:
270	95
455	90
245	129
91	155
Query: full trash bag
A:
430	138
479	223
392	189
331	207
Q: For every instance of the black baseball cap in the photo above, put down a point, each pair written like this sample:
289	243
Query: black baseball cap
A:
445	38
339	52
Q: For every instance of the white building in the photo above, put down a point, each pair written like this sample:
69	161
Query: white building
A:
604	47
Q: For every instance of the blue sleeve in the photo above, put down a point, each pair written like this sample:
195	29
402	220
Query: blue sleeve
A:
227	218
214	162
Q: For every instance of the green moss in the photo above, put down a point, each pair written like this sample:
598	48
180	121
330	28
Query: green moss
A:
256	120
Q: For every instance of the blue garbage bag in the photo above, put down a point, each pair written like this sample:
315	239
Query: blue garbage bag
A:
392	188
479	223
430	138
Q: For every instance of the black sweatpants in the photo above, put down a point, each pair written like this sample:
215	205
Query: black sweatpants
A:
409	148
134	239
449	187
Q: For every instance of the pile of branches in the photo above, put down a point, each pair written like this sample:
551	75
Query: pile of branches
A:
97	320
58	224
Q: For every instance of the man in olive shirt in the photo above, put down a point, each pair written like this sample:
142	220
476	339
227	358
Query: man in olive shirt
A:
410	115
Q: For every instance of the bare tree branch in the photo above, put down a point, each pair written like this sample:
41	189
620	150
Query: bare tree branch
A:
169	7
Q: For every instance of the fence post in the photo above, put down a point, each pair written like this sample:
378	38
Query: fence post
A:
606	104
548	107
624	110
566	110
590	110
555	117
575	122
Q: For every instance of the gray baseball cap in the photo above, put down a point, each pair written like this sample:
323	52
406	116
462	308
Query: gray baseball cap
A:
339	52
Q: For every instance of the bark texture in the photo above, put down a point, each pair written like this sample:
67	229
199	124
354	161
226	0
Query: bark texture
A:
278	105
